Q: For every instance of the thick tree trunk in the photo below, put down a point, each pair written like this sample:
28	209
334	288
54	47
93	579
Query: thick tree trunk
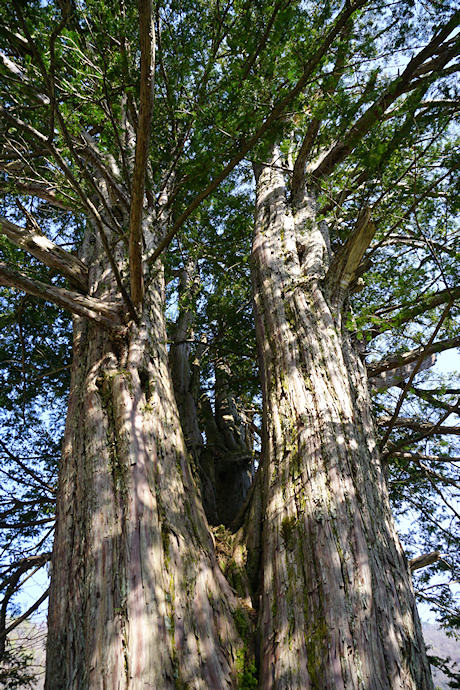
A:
137	597
337	605
224	464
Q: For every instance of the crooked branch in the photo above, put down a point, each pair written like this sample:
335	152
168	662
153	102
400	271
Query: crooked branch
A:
106	316
47	252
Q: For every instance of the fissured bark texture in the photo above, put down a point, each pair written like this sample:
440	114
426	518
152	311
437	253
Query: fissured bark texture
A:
337	605
137	597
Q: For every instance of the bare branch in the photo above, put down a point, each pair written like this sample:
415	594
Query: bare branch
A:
48	253
105	315
425	560
29	612
26	469
22	566
393	376
393	361
347	259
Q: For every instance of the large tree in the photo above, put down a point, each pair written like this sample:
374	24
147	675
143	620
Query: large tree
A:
136	139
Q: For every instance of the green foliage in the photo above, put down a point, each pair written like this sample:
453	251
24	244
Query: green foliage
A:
15	669
217	81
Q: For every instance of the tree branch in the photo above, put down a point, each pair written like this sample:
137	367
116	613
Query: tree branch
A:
402	84
417	425
106	316
29	612
298	173
422	456
422	244
347	259
416	308
26	469
147	46
48	253
349	9
41	191
393	376
416	369
252	58
22	566
86	201
19	76
425	560
393	361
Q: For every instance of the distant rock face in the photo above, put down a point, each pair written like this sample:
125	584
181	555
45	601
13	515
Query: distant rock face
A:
438	644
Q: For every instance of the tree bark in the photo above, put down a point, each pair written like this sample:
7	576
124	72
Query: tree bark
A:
137	597
337	605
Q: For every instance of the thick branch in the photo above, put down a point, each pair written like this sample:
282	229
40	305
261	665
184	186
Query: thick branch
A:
425	560
396	361
107	316
48	253
147	45
347	259
392	376
417	425
298	174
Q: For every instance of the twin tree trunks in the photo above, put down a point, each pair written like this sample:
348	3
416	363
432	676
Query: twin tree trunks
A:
138	599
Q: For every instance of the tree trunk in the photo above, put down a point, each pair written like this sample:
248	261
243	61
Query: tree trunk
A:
224	465
137	597
337	605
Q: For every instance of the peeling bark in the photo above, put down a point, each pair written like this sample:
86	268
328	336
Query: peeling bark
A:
337	605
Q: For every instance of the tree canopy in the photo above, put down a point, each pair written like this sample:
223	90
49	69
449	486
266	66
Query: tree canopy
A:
113	111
